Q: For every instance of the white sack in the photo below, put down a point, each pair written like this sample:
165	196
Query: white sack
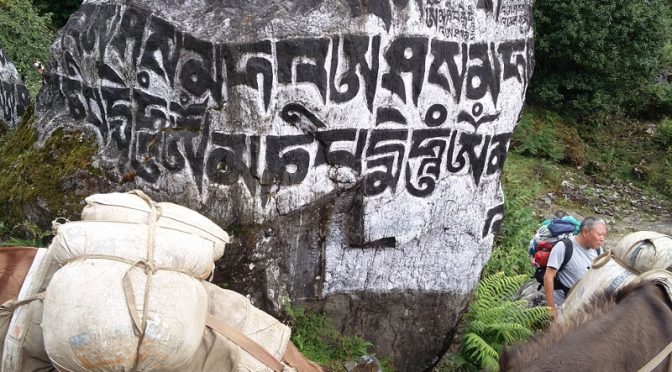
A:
236	310
172	248
87	325
126	207
645	250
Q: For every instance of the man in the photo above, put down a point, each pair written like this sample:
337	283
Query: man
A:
586	244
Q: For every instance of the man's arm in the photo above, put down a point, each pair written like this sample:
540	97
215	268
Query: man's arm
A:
549	278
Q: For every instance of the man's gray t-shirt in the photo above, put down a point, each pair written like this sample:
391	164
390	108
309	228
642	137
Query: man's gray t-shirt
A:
581	260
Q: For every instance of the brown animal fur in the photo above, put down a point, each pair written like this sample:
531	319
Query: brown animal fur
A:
614	332
14	265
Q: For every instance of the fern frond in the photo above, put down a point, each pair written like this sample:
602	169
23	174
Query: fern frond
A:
495	318
537	317
502	311
510	332
501	331
480	351
498	287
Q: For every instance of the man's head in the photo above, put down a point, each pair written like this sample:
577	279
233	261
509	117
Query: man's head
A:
592	232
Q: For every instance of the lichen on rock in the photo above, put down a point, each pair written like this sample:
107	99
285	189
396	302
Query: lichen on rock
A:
39	184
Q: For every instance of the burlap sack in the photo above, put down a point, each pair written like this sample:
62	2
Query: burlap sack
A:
237	311
645	250
87	324
133	208
129	296
172	248
214	353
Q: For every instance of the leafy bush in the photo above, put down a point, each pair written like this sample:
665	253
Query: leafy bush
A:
665	132
593	56
58	10
535	135
315	336
495	318
654	102
544	134
24	37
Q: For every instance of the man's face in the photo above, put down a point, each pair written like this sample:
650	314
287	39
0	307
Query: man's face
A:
595	237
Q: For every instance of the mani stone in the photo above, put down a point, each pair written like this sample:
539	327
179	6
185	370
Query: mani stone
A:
353	148
14	96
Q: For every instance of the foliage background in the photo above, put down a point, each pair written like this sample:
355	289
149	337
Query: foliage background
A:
25	36
597	58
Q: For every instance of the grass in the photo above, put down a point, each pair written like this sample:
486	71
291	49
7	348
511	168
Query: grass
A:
631	150
316	337
521	188
24	234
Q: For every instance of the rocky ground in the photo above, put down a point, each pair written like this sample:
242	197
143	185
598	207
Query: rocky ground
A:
625	206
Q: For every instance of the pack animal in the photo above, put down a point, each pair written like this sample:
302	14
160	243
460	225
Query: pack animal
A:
15	263
619	331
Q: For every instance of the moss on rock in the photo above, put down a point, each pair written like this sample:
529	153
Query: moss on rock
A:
39	184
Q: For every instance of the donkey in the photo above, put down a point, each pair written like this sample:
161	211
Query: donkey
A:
619	331
14	265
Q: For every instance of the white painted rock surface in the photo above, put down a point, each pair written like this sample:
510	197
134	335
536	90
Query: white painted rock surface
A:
355	151
14	96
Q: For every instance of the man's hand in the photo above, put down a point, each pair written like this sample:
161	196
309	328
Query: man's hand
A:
554	313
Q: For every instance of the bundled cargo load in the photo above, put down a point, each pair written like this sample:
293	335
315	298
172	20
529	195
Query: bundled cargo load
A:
132	207
124	290
635	255
643	251
129	295
24	348
605	274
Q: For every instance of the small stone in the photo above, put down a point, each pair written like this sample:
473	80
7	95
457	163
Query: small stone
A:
368	363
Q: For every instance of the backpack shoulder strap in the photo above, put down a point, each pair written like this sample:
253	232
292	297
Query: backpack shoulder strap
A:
569	250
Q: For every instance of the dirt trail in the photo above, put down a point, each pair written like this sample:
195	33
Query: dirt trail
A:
626	207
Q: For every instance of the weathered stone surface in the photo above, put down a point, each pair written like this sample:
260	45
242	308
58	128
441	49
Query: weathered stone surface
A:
14	96
353	147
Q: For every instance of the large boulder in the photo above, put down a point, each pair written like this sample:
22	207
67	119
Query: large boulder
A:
354	148
14	96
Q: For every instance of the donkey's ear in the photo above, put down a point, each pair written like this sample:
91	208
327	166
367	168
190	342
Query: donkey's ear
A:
620	294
